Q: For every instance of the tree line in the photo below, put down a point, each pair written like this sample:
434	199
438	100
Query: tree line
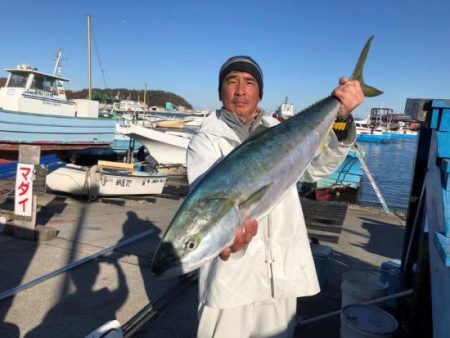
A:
153	97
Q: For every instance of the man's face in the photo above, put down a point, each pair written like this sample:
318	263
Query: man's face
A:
240	94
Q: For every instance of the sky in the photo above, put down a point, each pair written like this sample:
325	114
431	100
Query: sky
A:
303	47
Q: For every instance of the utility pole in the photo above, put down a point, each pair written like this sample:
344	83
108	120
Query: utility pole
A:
89	56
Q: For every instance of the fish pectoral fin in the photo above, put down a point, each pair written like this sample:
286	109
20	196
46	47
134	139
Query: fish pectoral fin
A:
254	198
214	202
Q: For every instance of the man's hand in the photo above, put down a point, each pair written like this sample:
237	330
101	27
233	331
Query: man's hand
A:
350	94
242	236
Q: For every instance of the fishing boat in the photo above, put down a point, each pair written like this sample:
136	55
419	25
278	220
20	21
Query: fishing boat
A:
365	132
343	184
166	146
105	179
34	110
284	111
382	125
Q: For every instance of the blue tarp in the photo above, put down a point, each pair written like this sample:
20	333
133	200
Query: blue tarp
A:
51	161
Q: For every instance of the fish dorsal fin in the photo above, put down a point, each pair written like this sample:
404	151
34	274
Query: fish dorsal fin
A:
357	72
254	198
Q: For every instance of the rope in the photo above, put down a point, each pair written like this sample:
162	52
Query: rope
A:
371	180
92	182
105	85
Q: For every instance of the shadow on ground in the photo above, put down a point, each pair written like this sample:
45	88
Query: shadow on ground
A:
84	301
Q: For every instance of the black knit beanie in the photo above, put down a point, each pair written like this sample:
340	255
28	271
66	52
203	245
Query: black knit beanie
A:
244	64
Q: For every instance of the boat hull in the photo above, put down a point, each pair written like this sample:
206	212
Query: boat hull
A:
53	132
342	185
348	174
380	138
167	148
77	180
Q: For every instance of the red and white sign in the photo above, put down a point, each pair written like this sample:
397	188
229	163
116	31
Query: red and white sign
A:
23	204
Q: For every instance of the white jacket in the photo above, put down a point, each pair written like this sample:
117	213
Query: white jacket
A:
278	261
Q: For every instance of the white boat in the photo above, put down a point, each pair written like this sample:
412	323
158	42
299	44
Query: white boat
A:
167	147
34	110
366	133
284	111
131	106
364	127
104	181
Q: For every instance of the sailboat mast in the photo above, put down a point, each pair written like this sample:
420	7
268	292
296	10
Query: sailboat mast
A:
145	94
89	56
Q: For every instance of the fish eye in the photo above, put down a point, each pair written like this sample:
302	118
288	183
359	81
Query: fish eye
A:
190	244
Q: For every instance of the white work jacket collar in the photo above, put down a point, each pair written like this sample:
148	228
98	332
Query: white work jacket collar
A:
224	124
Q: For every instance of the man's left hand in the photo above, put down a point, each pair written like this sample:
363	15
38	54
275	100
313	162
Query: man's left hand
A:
350	93
243	236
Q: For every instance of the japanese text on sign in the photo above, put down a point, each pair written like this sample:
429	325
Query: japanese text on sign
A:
24	190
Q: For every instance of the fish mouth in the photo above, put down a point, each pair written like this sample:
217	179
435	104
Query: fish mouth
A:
162	271
165	258
166	266
166	273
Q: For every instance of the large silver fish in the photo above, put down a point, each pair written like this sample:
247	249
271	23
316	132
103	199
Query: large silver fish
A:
246	183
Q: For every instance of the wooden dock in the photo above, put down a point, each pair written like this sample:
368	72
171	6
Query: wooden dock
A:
426	250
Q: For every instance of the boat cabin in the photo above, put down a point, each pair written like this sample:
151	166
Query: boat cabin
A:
28	90
29	78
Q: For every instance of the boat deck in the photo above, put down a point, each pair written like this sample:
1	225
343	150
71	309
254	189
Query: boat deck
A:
74	303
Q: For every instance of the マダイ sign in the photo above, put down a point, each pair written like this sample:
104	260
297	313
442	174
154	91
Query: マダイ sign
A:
23	204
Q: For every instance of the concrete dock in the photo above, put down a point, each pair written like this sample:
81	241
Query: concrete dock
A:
118	285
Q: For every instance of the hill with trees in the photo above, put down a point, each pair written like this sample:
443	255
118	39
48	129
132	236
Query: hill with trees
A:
154	97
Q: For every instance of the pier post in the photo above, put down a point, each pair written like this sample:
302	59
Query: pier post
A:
30	183
25	200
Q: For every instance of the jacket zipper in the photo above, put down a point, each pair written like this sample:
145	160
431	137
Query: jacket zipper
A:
269	256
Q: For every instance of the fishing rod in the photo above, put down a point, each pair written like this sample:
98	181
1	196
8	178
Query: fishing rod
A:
103	252
362	160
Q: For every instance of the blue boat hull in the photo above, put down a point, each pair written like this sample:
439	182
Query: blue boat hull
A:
374	138
348	174
400	136
53	132
384	137
341	185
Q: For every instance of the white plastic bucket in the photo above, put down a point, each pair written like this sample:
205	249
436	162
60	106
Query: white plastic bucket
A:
362	286
366	321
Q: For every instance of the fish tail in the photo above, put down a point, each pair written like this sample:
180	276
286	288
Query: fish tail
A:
357	73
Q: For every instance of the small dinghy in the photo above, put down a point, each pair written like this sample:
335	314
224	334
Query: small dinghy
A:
105	179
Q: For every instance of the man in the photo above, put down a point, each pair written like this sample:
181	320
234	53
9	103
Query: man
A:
252	290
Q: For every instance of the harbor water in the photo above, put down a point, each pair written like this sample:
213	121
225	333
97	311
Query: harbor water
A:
391	166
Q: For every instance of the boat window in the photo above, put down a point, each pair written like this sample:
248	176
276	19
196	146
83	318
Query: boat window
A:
38	82
18	80
43	83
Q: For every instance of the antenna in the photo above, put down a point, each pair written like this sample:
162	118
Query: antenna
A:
58	63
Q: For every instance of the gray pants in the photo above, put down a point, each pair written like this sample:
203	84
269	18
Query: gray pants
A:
274	318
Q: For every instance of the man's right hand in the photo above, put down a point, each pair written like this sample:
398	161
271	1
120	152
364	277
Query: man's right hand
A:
243	235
